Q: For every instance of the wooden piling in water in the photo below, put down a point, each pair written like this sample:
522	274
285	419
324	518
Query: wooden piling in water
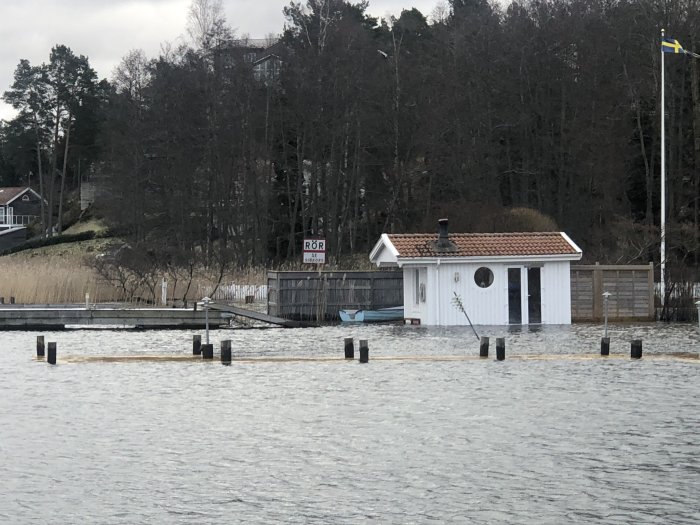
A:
226	352
208	351
51	353
484	346
364	351
604	346
636	349
196	344
40	346
500	348
349	348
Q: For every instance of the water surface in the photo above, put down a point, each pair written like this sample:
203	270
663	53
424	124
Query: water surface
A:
564	439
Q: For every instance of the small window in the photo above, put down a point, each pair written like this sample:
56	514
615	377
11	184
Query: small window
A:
483	277
25	198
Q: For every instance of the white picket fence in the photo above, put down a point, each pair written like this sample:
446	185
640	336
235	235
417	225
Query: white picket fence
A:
694	288
238	292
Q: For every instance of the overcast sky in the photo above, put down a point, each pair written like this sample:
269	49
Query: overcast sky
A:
105	30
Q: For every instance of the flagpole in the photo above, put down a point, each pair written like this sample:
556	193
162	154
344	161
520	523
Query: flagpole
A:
663	178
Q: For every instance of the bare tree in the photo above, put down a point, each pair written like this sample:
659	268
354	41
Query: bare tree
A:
132	75
204	18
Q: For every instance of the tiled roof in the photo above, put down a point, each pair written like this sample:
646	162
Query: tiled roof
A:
9	194
483	244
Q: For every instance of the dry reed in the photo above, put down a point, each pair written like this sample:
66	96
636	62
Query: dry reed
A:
54	280
64	275
65	278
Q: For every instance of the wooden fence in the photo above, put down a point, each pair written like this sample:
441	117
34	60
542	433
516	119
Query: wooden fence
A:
631	290
319	295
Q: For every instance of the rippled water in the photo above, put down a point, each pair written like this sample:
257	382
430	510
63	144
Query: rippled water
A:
536	441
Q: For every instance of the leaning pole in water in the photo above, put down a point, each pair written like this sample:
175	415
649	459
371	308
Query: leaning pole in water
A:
458	303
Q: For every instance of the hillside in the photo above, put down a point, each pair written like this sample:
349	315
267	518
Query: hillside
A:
59	273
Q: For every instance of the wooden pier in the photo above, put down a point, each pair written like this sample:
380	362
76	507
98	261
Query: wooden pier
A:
60	317
26	317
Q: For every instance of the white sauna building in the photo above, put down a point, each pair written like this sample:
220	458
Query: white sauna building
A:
500	278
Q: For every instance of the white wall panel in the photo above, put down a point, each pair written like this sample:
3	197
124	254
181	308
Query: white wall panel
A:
556	293
411	310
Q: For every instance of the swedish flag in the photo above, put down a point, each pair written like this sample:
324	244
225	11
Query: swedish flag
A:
671	45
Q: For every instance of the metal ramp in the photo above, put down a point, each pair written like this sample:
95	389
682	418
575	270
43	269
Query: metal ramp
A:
258	316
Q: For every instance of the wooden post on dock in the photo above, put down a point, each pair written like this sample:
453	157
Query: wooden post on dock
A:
364	351
500	348
226	352
40	346
604	346
208	351
196	345
12	300
636	349
484	346
349	348
51	354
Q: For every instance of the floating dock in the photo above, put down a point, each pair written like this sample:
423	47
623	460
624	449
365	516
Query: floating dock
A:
76	359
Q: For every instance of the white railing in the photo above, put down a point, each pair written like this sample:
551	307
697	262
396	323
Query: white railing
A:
17	220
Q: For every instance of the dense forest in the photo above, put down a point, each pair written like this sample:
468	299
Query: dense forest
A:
534	115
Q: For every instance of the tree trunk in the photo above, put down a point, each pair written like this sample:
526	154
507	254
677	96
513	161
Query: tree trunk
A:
59	220
41	180
52	173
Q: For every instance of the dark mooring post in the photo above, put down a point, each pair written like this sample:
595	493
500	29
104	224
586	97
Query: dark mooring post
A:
226	352
636	350
51	353
196	344
208	351
604	346
500	348
349	348
12	300
40	346
364	351
484	346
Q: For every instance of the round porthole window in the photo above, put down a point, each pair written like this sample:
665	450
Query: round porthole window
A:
483	277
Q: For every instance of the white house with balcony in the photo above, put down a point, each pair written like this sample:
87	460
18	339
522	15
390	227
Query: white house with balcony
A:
499	278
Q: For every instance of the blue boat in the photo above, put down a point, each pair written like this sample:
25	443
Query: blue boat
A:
383	315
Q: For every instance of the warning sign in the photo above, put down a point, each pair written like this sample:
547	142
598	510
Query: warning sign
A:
315	251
